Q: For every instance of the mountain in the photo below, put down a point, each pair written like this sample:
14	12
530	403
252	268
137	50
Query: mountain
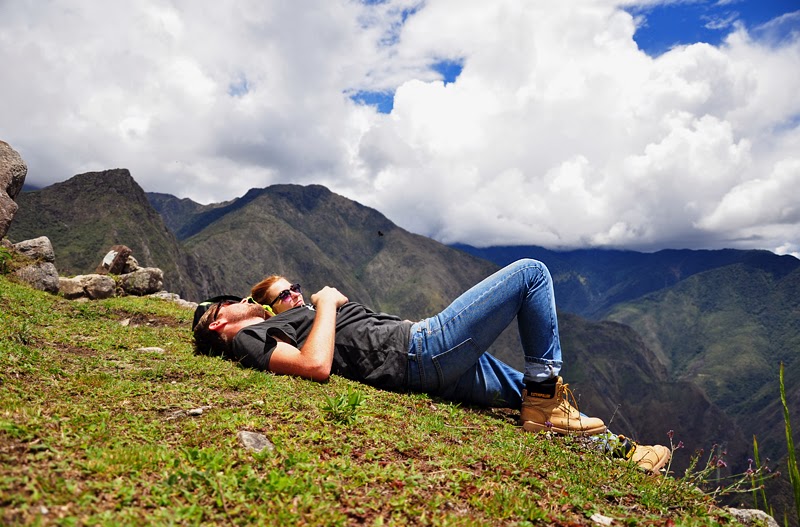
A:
89	213
174	211
622	381
319	238
726	331
589	282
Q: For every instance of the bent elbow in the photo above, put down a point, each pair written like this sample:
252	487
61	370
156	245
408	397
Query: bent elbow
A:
320	372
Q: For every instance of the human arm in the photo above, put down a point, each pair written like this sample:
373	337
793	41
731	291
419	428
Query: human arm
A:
314	358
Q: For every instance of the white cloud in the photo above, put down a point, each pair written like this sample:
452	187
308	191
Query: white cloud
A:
559	130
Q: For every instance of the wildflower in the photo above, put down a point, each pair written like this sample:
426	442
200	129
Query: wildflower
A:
548	424
671	433
679	445
721	463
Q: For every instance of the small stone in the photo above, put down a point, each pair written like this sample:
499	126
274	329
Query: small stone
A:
254	441
599	519
151	349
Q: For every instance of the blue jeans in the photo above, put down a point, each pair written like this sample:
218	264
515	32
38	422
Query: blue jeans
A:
447	353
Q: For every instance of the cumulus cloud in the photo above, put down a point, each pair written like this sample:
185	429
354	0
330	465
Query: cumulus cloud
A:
559	131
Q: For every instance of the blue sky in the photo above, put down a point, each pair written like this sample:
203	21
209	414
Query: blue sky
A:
679	23
585	123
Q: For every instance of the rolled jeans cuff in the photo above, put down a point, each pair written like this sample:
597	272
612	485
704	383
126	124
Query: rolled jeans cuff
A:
542	370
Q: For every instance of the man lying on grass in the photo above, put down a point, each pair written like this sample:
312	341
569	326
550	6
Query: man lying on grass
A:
444	355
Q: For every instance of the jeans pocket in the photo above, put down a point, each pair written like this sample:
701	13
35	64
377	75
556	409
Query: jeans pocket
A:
456	361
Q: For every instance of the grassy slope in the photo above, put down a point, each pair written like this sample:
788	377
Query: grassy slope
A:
94	431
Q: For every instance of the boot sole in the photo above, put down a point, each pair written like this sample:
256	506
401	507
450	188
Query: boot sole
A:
531	426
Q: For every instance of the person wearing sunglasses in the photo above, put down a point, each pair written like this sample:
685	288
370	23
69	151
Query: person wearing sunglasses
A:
444	355
277	293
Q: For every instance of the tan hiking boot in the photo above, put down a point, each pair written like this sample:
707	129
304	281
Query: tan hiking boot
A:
545	408
649	458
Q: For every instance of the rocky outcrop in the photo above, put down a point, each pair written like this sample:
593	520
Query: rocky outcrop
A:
12	176
89	213
119	273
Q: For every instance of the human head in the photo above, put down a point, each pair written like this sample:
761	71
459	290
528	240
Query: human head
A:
267	291
220	323
259	292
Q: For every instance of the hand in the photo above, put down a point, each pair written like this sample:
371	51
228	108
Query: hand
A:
329	295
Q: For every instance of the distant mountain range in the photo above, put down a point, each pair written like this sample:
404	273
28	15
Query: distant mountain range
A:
590	282
677	339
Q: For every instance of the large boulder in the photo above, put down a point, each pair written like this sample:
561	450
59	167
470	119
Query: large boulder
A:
12	176
143	281
94	286
39	249
41	273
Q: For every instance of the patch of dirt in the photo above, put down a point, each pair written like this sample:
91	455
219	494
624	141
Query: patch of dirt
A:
69	349
139	319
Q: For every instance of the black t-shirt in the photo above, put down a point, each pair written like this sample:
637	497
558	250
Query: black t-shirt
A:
369	347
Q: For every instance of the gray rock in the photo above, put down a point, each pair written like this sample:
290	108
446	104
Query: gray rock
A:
93	286
12	176
254	441
39	249
39	275
98	286
71	288
143	281
752	517
131	265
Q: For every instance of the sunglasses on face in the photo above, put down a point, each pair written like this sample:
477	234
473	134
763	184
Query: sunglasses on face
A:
286	294
219	305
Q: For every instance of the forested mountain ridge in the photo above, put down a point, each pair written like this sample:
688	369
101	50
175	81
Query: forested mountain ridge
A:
589	282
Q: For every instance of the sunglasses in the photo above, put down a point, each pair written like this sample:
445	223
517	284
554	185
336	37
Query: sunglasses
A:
219	305
286	293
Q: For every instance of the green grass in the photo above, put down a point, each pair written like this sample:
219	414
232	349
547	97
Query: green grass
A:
94	431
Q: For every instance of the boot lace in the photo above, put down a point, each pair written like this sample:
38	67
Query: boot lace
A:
564	395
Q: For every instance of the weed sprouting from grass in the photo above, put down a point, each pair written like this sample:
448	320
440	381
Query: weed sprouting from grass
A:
708	477
343	408
22	333
794	473
5	258
757	481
